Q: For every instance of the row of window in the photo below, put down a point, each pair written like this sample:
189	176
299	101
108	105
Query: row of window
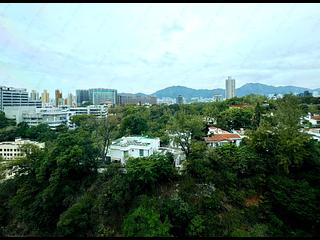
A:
11	154
9	150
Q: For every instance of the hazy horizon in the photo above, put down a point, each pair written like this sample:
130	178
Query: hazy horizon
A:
147	47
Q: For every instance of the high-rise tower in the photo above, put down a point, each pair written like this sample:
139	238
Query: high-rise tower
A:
230	88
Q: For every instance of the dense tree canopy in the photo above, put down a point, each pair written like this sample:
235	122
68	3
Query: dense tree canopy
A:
267	186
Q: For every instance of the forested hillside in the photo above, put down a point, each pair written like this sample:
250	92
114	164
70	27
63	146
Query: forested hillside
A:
268	186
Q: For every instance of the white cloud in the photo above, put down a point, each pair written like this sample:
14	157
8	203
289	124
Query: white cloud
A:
145	47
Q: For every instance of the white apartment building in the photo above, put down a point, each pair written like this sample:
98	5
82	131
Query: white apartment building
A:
61	116
11	150
121	149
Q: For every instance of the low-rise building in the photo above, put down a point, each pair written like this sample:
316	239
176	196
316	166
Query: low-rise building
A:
121	149
55	117
218	137
11	150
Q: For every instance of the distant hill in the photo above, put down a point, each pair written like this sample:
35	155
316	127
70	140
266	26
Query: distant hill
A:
249	88
186	92
262	89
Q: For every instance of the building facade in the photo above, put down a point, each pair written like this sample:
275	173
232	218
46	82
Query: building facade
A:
45	98
58	98
16	97
103	96
34	95
82	96
230	88
55	117
124	99
11	150
121	149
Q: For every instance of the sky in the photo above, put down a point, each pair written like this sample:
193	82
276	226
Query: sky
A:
147	47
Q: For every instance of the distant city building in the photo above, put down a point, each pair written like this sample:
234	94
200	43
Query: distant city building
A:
230	88
305	94
14	97
70	99
58	98
45	98
179	99
124	99
34	95
217	98
166	100
103	96
82	96
11	150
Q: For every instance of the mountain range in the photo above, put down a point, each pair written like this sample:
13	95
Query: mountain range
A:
249	88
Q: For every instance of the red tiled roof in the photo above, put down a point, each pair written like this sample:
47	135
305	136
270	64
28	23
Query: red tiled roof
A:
221	137
317	117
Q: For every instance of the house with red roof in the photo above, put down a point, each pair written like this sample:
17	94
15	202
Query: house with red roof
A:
217	137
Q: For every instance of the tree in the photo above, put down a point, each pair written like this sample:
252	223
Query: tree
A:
75	221
133	125
5	122
183	128
105	130
145	173
235	118
145	222
82	120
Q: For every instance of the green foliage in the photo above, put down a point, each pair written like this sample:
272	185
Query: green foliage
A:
133	125
75	221
197	226
146	172
235	118
5	122
267	186
145	222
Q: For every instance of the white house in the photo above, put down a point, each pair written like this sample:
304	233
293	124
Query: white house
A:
10	150
218	137
125	147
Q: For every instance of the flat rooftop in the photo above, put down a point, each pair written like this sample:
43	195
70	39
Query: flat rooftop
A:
133	141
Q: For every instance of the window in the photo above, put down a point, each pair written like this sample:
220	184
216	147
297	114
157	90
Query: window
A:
125	154
141	152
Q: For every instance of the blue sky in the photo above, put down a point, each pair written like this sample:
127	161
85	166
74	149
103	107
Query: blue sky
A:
147	47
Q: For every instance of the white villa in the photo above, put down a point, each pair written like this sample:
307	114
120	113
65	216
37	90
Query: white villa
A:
121	149
125	147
